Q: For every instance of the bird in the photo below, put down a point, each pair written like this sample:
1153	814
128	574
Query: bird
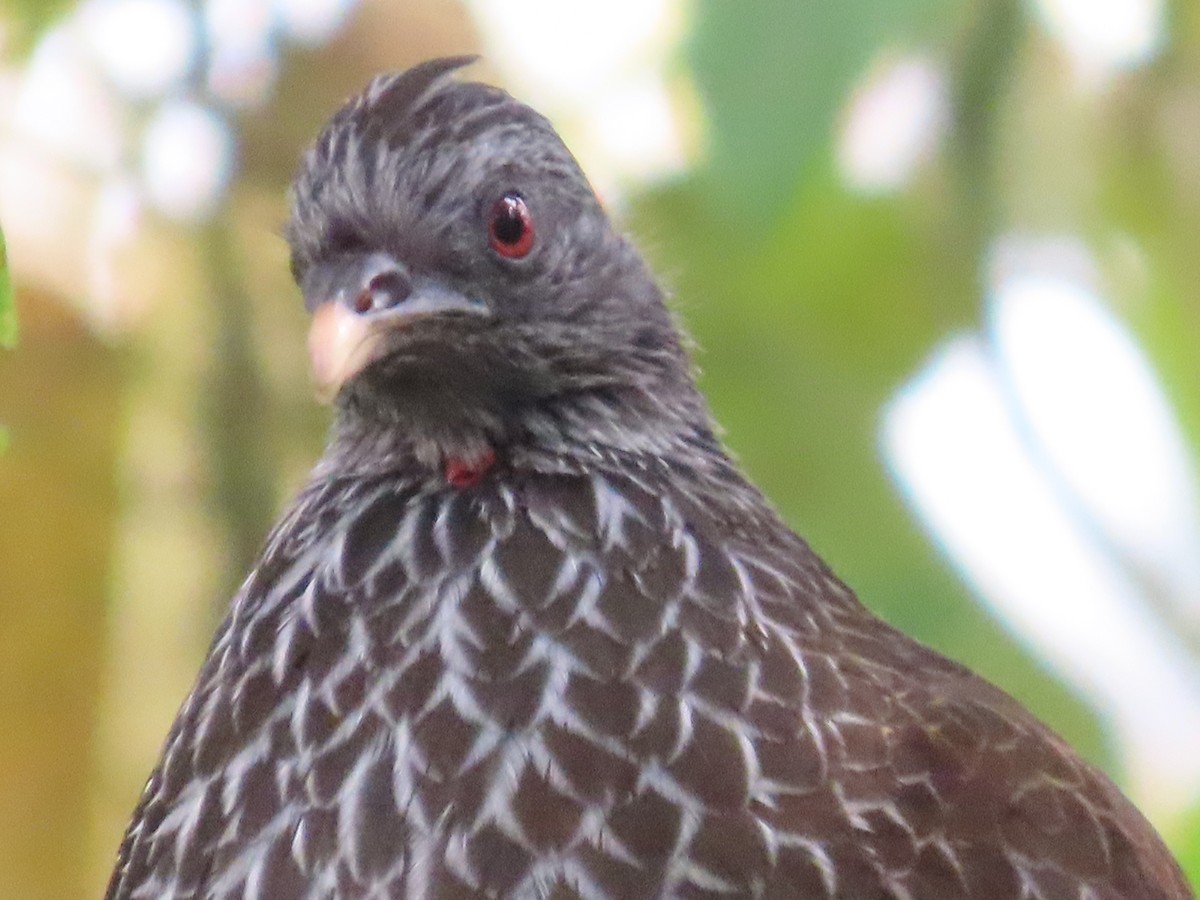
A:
528	631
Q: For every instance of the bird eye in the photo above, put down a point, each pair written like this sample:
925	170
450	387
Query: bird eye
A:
510	227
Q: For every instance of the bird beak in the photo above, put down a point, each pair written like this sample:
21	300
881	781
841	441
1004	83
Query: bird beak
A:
358	303
340	344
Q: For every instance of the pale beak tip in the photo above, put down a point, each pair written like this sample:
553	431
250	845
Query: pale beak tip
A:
338	347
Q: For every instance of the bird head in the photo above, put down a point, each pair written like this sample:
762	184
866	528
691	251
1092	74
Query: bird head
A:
465	283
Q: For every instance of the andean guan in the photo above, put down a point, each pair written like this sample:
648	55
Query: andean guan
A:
528	632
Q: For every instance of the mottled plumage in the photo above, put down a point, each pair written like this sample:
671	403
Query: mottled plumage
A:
601	666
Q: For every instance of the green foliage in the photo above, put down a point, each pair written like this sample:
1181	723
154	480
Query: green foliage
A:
1187	845
29	18
774	76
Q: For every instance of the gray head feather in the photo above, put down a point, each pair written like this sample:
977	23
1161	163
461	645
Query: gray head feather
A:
410	167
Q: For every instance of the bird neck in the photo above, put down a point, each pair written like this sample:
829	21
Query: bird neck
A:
565	432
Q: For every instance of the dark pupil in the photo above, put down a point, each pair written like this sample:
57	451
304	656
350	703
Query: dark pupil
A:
510	224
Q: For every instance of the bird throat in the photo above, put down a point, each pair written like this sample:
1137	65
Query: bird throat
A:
454	433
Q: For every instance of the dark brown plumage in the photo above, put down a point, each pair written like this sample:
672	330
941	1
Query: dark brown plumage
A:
528	632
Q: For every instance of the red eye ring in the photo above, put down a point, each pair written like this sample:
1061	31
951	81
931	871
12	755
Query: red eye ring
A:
510	226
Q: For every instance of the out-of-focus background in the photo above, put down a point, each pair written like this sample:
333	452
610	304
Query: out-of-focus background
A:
941	257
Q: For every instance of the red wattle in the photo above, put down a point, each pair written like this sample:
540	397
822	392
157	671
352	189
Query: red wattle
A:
463	473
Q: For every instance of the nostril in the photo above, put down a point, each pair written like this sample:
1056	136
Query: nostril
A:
389	288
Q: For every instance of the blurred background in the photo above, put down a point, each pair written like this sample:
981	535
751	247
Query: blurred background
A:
941	258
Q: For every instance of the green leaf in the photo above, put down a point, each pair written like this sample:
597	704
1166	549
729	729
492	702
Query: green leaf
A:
8	309
1185	841
773	76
